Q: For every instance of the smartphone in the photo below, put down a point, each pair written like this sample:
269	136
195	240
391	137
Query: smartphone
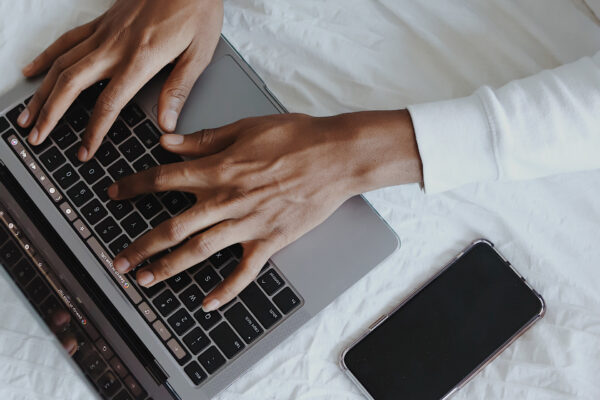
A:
447	330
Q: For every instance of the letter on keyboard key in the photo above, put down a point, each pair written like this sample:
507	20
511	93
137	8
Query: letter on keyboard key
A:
107	154
119	170
211	359
148	134
192	297
243	322
179	281
148	206
207	320
132	149
226	339
108	229
119	209
101	187
118	132
207	278
195	373
144	163
260	305
134	225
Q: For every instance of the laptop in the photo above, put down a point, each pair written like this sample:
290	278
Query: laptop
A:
59	233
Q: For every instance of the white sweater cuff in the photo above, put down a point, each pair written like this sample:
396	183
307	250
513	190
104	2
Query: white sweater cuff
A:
455	141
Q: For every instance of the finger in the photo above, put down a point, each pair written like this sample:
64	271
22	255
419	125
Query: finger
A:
59	321
168	234
194	251
67	41
204	142
60	64
114	97
69	343
69	84
177	88
255	256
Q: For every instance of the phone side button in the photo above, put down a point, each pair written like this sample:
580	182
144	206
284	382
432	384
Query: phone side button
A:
378	322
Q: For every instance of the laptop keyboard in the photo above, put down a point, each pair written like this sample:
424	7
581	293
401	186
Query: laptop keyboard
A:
202	343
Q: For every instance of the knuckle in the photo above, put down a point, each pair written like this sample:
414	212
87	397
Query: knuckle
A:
136	254
106	104
68	78
60	63
178	92
43	115
175	230
203	246
206	137
158	177
164	269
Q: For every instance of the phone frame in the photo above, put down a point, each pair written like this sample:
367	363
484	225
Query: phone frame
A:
485	362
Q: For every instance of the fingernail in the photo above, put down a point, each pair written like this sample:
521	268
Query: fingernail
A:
145	277
23	117
33	136
172	140
27	69
82	154
71	347
169	119
113	191
60	319
211	306
121	265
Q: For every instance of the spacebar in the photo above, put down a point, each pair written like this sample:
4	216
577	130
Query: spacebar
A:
106	261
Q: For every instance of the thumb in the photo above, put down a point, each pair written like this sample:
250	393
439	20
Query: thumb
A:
201	143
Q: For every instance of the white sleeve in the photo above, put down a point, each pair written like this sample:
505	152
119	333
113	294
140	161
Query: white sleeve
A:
545	124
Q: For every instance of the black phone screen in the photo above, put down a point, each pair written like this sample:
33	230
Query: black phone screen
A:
443	333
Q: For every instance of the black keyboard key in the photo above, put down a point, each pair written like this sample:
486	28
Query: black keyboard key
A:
3	236
37	290
80	194
3	124
120	244
148	206
23	272
90	95
71	154
132	114
211	359
119	209
109	384
66	176
107	154
13	115
119	170
93	212
175	202
123	395
144	163
219	258
159	219
77	117
226	340
91	171
237	250
228	268
118	132
196	340
166	303
134	225
286	300
101	188
108	230
131	149
181	321
207	278
52	159
148	134
260	305
192	297
93	365
50	306
243	323
63	136
40	148
196	374
207	320
270	282
179	281
165	157
154	289
10	254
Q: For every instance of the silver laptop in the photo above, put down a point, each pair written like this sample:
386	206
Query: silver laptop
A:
59	233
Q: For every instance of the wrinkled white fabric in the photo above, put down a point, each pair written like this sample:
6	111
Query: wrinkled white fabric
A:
329	56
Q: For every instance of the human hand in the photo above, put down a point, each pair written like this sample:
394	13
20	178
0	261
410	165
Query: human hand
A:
129	44
264	182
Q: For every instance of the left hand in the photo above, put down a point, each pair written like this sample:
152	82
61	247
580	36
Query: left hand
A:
264	182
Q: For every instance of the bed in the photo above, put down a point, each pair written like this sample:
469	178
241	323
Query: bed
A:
329	56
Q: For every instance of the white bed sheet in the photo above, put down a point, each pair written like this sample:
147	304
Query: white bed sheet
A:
324	57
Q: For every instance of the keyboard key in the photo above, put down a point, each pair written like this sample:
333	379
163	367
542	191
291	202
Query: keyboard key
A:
101	188
120	244
3	124
218	259
286	300
91	171
3	236
159	219
243	323
132	114
207	320
228	268
270	282
13	115
123	395
135	388
147	312
104	349
175	202
49	307
148	206
109	384
118	132
166	303
107	154
237	250
134	225
154	289
71	154
260	305
80	194
119	209
82	229
192	297
161	330
119	170
118	367
131	149
207	278
93	365
181	322
93	212
196	340
144	163
37	290
23	272
148	134
66	176
226	340
77	117
108	230
63	136
178	351
211	359
165	157
89	96
10	254
41	147
179	281
52	159
196	374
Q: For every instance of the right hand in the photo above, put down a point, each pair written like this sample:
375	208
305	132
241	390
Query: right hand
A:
128	44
